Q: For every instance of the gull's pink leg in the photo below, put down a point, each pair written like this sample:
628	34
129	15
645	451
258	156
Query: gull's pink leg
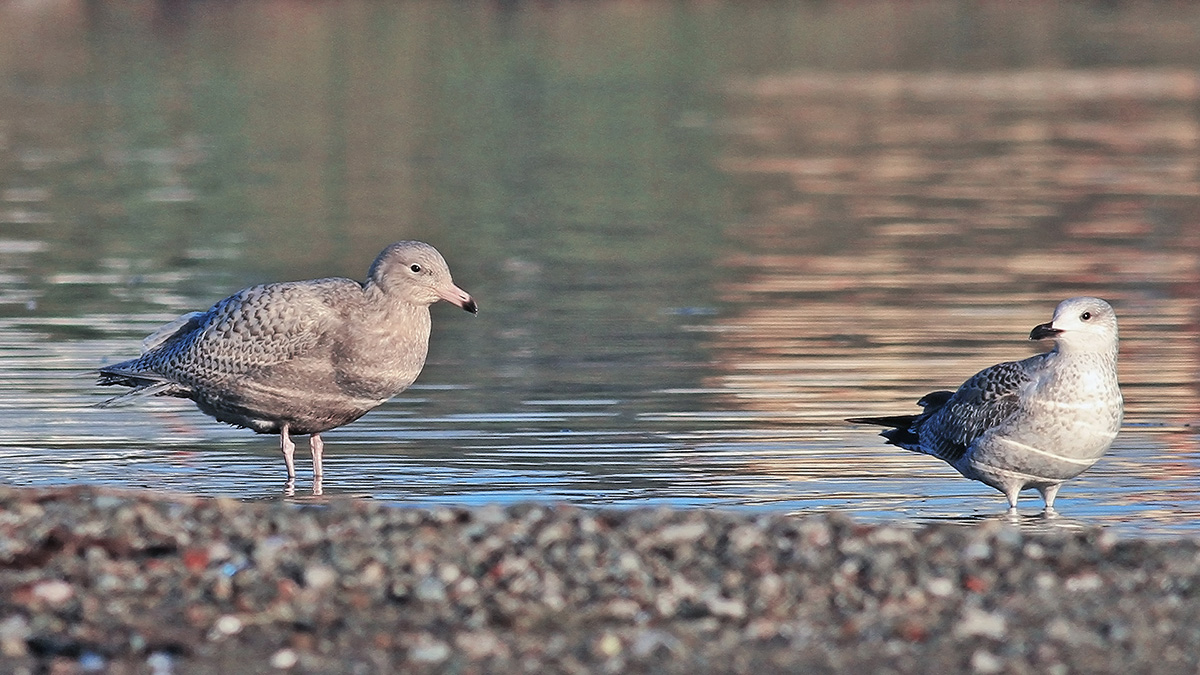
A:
318	446
1011	492
289	450
1048	494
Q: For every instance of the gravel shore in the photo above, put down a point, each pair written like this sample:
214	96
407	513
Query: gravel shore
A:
121	582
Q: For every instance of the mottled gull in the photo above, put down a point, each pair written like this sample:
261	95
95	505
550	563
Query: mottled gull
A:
1027	424
300	357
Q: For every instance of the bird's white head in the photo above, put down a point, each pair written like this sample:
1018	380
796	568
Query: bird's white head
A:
1081	324
416	272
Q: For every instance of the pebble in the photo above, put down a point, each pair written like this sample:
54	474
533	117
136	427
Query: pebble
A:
429	650
978	622
430	589
91	662
53	591
608	645
94	579
319	577
229	625
284	659
940	587
986	663
14	631
160	663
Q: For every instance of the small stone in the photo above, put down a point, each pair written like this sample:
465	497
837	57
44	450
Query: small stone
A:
621	608
1009	536
161	663
978	622
228	625
14	631
629	562
196	559
373	574
219	551
489	515
103	501
319	577
449	574
977	550
478	644
1082	583
53	592
430	650
653	641
681	533
986	663
91	662
284	659
890	535
770	586
1060	629
430	589
1106	540
608	645
940	587
745	537
727	607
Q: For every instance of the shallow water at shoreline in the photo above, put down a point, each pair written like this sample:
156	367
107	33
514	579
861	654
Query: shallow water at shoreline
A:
694	254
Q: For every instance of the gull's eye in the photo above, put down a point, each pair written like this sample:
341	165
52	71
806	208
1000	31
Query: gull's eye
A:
415	267
1085	316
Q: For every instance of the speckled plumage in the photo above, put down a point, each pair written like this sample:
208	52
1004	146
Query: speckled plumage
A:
1032	423
300	357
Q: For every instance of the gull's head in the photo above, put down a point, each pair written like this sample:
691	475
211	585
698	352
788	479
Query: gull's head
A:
417	273
1081	325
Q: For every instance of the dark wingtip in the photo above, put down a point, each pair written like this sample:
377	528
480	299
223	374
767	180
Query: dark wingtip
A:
889	421
935	399
471	307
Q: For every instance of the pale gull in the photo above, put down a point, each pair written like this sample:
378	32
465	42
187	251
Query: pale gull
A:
1027	424
300	357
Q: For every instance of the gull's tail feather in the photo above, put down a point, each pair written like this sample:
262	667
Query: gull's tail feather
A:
901	434
904	427
138	393
889	421
142	384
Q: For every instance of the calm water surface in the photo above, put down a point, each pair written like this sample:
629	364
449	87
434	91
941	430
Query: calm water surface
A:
699	237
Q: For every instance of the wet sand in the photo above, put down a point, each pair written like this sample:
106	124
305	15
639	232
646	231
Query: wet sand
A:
126	582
